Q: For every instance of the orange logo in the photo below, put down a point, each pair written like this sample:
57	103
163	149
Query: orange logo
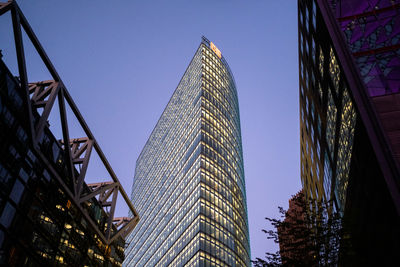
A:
215	49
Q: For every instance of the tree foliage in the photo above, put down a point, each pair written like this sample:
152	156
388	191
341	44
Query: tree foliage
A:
308	234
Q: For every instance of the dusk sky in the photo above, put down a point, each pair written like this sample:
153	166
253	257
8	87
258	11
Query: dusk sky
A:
122	60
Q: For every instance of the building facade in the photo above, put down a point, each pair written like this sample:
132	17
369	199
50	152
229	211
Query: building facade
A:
49	215
293	235
349	118
189	182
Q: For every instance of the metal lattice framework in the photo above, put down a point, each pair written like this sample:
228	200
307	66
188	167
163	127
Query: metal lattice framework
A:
39	99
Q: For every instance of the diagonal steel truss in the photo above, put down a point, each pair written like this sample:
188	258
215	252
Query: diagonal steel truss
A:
39	99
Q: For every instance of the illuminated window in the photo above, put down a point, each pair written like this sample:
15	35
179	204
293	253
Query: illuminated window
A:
334	71
345	145
321	61
331	123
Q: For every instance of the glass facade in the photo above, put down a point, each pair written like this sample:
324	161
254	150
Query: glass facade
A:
39	222
349	114
189	186
373	40
372	34
327	127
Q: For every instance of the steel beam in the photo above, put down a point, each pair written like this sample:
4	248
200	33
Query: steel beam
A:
40	91
36	44
76	151
4	7
23	76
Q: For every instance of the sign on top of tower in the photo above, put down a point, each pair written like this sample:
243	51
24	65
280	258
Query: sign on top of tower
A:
215	49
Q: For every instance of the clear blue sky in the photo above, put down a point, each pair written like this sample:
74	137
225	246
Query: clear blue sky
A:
122	60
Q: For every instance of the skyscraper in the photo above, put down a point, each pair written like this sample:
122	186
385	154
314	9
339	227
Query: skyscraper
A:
349	114
189	185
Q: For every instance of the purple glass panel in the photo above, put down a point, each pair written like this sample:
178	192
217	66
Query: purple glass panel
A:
357	34
371	27
376	87
382	36
396	27
372	4
394	62
375	29
394	85
365	46
374	71
384	3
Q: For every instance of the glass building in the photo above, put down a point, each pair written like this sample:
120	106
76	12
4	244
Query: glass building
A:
189	182
49	215
349	61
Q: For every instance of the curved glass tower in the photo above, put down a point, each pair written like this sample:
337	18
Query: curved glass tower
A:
189	186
